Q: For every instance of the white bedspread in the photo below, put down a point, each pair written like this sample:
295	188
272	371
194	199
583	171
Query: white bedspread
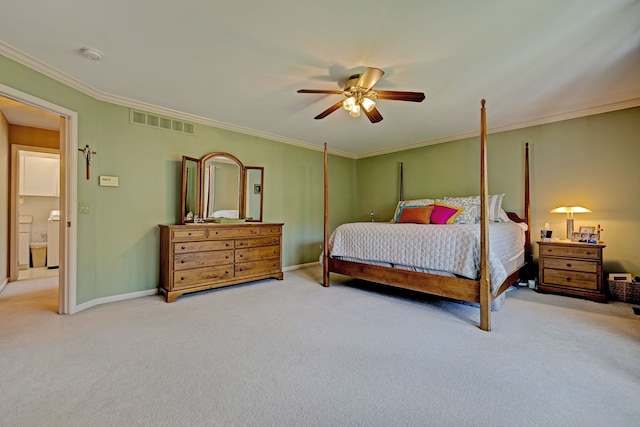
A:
450	248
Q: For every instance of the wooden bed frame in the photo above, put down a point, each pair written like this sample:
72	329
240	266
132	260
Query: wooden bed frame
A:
477	291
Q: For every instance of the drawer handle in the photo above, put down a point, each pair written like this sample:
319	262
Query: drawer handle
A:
568	264
241	244
226	272
227	245
182	261
189	234
568	279
241	269
182	278
226	257
183	247
275	240
241	255
588	252
217	232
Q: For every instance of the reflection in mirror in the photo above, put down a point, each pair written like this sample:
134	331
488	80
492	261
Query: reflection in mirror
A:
190	188
222	190
253	192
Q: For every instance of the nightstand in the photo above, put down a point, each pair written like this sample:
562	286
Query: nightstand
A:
571	269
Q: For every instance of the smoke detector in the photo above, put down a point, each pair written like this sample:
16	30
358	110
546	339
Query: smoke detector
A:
90	53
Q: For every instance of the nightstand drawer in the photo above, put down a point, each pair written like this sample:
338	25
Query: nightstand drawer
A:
571	264
572	279
568	251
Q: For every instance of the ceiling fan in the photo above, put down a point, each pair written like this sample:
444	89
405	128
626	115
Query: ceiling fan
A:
360	96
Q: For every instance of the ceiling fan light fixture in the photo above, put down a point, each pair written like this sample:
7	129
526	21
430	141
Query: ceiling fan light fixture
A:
368	104
349	103
355	111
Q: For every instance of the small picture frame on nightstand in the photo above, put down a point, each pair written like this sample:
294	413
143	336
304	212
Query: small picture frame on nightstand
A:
587	229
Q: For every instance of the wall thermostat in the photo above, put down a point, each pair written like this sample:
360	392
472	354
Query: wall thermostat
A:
108	181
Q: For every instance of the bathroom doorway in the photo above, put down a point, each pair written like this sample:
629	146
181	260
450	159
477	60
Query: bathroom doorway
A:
63	218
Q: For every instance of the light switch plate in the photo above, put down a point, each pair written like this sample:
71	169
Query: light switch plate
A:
108	181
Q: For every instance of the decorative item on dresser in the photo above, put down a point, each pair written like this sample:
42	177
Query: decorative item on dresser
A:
205	256
571	268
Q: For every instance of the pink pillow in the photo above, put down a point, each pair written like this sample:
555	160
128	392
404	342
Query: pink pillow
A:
443	214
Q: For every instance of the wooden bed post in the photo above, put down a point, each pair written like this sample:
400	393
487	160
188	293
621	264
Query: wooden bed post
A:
485	288
325	245
527	216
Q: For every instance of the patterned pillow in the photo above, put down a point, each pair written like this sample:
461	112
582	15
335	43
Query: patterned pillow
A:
415	215
471	206
443	214
410	203
495	206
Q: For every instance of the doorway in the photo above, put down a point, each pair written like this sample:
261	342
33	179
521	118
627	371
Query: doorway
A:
67	172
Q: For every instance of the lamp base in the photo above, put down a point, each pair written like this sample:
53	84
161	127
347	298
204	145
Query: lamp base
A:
569	228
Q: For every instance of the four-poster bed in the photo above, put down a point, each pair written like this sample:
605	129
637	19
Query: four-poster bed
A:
477	290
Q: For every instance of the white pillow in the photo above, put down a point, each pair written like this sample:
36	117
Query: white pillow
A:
416	202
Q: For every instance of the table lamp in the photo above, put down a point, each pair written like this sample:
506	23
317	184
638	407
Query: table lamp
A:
570	210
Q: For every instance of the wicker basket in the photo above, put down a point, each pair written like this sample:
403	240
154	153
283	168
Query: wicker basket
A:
624	291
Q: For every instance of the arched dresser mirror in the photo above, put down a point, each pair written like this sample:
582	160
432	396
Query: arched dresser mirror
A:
219	188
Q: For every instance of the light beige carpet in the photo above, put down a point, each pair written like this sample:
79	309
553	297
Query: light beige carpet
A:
293	353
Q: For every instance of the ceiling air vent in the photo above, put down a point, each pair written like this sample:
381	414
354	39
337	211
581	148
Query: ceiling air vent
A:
160	122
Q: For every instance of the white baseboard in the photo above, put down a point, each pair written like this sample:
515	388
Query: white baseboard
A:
114	298
299	266
4	284
154	291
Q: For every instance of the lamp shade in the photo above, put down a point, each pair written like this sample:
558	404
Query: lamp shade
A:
570	209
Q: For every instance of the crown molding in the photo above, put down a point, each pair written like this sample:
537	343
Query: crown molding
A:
600	109
36	65
42	68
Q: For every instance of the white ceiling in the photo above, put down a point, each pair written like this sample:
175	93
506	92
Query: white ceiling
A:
237	64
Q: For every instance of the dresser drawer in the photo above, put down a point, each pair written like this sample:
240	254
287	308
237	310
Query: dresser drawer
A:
257	241
273	229
202	259
190	233
257	267
574	279
571	264
569	251
196	276
252	254
206	245
233	232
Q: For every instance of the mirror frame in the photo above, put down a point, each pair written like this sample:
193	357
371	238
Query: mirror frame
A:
261	169
185	189
200	171
241	177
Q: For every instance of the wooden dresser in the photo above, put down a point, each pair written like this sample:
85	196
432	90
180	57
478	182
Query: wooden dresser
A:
205	256
571	269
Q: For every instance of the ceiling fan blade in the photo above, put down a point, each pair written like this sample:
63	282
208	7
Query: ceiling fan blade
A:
370	77
373	115
331	92
400	96
329	110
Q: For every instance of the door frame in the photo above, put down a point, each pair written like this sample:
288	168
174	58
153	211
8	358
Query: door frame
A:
67	303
